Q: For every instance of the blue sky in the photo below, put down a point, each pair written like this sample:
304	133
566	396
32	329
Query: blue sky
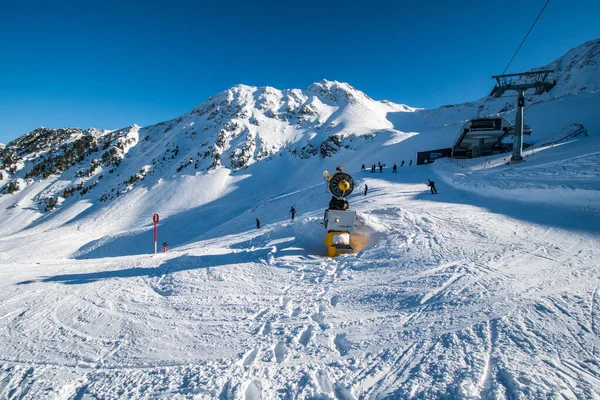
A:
109	64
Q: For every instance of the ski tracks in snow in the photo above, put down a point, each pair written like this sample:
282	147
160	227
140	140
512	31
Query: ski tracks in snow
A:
436	305
300	326
594	312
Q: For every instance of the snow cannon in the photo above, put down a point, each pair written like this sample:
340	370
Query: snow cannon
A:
339	220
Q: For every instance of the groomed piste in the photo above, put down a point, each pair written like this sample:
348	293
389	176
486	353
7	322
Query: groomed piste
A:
488	289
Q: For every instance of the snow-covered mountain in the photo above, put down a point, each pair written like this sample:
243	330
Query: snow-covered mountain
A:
243	125
488	290
233	129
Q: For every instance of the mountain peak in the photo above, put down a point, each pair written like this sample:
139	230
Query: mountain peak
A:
335	92
325	84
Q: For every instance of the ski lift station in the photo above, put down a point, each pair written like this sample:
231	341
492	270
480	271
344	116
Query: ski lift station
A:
476	138
483	137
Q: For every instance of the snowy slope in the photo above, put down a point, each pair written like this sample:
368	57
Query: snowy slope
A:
487	290
233	129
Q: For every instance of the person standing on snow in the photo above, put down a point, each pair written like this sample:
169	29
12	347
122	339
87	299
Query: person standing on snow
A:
257	223
380	168
293	211
394	168
402	165
431	185
410	163
366	189
363	167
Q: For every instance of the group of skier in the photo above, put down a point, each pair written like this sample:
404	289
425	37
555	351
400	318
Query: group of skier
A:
380	166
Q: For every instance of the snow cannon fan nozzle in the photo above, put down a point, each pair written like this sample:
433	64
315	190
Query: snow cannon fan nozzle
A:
341	185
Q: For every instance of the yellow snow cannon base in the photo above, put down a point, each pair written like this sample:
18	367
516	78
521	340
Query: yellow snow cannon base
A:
337	243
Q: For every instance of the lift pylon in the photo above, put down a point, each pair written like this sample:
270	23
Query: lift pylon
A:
541	80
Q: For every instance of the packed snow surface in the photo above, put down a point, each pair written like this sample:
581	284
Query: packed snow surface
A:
488	289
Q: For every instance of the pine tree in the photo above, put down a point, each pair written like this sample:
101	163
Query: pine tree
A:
13	187
51	204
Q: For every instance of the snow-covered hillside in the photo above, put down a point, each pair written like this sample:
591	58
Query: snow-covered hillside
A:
487	290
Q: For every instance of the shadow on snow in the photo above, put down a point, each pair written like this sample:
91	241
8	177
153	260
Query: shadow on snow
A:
182	263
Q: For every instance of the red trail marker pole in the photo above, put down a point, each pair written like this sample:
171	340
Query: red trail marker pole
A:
155	219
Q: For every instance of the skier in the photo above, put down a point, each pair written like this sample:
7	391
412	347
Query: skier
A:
394	168
257	223
402	165
293	211
380	168
164	250
366	189
431	184
363	167
410	163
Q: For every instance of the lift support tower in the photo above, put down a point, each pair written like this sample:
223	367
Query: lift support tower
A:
540	80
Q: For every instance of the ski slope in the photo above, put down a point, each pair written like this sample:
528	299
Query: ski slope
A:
488	289
458	294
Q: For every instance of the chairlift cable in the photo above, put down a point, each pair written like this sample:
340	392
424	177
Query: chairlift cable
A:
515	54
525	38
